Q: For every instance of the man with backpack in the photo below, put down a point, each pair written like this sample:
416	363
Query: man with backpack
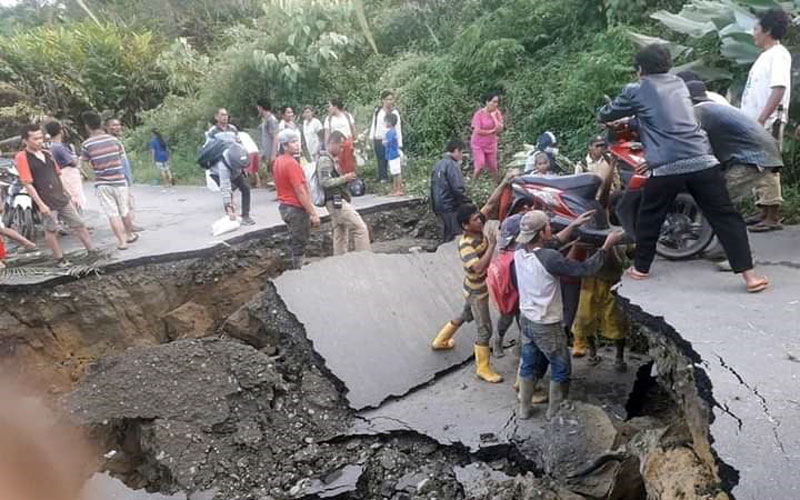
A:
295	205
344	218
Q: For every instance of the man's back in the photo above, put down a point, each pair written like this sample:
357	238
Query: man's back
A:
447	185
736	137
288	175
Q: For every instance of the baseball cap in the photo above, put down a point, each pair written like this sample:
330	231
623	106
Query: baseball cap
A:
509	230
288	135
530	225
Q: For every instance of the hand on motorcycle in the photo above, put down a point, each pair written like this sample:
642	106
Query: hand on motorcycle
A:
44	209
642	168
612	239
583	218
510	174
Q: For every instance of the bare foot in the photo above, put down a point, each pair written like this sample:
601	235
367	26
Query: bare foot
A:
637	275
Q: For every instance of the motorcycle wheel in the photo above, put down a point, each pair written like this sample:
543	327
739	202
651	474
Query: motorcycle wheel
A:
27	229
685	232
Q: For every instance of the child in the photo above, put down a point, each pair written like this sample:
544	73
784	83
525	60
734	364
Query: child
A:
392	151
544	343
598	313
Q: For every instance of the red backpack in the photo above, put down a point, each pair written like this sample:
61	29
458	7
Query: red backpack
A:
501	287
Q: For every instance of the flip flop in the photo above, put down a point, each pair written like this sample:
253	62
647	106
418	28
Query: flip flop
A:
636	275
763	227
759	287
132	239
120	247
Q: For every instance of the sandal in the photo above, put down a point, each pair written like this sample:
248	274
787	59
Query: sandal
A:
759	287
132	239
636	275
764	227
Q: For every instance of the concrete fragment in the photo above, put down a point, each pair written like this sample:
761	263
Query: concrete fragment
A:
190	320
339	482
372	317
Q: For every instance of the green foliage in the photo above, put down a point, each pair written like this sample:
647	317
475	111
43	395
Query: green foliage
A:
64	70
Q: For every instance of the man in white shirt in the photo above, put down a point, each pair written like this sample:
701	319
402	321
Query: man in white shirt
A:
767	93
377	131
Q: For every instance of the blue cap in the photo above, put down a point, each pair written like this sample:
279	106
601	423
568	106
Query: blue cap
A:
509	230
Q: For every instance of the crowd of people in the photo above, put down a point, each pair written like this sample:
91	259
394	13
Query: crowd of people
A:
694	141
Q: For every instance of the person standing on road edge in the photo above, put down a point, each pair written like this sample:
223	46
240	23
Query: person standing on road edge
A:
377	132
344	217
104	153
391	151
544	342
679	157
447	188
475	251
312	134
269	134
114	127
42	180
766	99
159	153
340	119
295	207
67	163
487	125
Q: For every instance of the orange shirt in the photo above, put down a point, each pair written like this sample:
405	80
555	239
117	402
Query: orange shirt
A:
288	175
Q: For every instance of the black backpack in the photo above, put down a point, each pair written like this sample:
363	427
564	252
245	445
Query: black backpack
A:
211	153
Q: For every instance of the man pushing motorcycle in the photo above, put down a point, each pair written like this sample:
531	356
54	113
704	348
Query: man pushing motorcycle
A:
679	158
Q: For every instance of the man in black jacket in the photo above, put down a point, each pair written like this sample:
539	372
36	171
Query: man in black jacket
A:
447	188
679	158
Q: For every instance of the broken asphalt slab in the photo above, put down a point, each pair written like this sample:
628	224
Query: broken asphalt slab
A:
371	317
749	348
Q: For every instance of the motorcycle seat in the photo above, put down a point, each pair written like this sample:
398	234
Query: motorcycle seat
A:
582	185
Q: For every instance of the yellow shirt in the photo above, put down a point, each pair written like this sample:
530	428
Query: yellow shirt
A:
471	249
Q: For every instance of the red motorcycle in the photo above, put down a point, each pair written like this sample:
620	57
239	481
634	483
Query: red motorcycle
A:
684	234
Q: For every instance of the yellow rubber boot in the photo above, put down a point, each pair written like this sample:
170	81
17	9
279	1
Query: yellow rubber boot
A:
578	346
445	338
483	370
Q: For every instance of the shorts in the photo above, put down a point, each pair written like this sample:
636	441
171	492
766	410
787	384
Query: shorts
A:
68	214
162	165
114	200
745	180
255	163
483	158
395	166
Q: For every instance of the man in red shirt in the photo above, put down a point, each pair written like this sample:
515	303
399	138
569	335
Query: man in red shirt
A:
42	180
295	207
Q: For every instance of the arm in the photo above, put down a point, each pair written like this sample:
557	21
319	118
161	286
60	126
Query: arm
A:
456	181
494	199
352	126
565	234
476	125
302	195
624	105
399	128
325	172
775	98
558	265
43	208
471	260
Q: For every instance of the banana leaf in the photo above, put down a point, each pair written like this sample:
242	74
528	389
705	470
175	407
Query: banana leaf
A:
675	49
741	52
683	25
704	71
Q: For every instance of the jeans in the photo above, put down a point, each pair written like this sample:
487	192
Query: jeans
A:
383	164
543	345
347	221
243	185
298	223
708	189
478	310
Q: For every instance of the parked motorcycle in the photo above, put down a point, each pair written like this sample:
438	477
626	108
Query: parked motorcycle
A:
685	232
19	210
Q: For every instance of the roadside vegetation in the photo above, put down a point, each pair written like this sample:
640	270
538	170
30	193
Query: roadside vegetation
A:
171	64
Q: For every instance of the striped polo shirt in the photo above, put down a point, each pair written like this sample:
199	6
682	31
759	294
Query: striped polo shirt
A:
471	249
105	154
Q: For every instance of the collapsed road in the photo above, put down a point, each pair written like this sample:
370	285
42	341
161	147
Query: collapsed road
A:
227	377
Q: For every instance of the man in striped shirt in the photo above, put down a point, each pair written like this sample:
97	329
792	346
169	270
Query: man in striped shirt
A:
105	155
475	251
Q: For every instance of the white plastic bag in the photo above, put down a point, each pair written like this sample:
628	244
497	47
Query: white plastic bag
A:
224	225
210	183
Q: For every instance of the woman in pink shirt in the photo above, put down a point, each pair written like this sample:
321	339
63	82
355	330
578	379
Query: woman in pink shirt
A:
487	123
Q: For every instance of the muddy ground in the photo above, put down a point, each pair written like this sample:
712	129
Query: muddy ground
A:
193	376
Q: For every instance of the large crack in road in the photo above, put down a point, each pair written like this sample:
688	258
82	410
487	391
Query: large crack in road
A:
217	382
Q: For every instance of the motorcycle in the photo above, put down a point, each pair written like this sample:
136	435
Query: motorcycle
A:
685	232
19	210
